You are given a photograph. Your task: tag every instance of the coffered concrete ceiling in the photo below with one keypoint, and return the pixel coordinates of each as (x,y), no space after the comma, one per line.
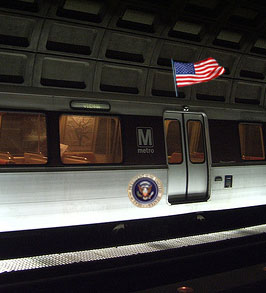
(125,47)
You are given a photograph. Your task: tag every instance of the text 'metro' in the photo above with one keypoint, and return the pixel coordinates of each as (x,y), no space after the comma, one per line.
(145,141)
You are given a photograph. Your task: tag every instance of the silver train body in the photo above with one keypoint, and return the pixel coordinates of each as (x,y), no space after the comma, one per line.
(59,195)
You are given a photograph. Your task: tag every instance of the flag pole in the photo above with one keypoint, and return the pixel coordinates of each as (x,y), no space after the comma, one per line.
(174,75)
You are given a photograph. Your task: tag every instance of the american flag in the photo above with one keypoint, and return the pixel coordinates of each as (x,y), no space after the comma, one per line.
(202,71)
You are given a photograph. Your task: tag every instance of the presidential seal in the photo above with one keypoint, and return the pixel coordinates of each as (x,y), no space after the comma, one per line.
(145,190)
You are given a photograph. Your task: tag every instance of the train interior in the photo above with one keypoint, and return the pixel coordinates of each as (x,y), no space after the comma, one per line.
(83,139)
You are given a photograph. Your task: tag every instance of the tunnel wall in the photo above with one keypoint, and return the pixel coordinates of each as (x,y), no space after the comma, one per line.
(126,47)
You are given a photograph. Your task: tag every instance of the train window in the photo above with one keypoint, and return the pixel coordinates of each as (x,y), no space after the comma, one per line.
(224,141)
(251,141)
(90,139)
(195,142)
(23,139)
(173,141)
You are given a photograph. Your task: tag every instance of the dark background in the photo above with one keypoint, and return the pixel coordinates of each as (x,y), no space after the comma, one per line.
(125,47)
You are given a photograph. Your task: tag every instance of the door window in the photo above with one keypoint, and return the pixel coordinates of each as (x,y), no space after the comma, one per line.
(195,142)
(173,141)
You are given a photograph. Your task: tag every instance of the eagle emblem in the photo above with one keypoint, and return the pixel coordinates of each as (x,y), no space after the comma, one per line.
(145,190)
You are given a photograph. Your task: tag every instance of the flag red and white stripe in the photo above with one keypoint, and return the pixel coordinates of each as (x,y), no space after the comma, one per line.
(202,71)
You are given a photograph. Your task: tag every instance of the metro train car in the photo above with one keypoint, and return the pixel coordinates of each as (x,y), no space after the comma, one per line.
(69,160)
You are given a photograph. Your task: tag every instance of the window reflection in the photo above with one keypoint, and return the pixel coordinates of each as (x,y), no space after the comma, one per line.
(90,139)
(23,138)
(251,141)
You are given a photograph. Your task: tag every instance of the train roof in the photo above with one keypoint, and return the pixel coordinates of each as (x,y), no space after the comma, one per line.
(37,99)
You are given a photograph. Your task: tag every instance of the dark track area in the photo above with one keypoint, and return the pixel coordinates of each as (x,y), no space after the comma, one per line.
(143,272)
(55,240)
(137,272)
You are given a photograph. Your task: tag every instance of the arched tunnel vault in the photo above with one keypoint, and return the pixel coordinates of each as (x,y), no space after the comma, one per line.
(125,47)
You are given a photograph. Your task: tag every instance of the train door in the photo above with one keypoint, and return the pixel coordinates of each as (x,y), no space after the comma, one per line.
(187,156)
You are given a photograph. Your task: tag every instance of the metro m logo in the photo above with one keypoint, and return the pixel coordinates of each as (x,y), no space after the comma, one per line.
(144,137)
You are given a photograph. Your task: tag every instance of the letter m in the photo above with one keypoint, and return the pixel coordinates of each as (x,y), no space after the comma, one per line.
(144,137)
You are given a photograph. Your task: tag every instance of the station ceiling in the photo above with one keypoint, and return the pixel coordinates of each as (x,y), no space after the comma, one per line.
(125,47)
